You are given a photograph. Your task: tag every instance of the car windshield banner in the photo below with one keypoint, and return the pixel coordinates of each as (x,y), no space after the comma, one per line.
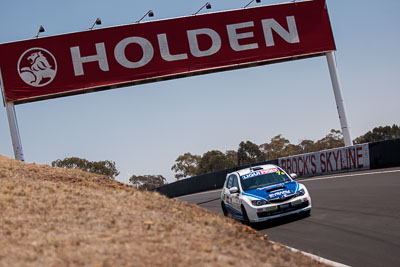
(125,55)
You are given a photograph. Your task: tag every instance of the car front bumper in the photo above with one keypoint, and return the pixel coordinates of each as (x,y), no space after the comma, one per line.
(297,205)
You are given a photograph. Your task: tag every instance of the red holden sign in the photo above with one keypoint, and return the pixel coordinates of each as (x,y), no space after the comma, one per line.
(125,55)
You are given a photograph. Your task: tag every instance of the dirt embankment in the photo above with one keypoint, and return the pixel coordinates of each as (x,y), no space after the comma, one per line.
(60,217)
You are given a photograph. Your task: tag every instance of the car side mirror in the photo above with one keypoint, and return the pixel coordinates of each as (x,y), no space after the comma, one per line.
(293,175)
(233,190)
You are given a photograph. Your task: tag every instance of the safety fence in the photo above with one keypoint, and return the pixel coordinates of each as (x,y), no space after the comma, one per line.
(383,154)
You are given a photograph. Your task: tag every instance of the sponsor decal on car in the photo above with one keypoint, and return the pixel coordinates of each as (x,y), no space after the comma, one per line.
(280,193)
(282,190)
(270,186)
(258,173)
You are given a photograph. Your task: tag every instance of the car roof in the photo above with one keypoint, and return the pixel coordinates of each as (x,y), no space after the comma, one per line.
(254,168)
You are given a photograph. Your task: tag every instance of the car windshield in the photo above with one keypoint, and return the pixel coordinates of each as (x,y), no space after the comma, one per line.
(263,178)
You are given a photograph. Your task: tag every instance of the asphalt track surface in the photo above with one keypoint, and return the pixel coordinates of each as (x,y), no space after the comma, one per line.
(355,218)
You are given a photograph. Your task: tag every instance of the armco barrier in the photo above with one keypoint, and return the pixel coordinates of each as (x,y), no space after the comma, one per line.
(342,159)
(384,154)
(205,182)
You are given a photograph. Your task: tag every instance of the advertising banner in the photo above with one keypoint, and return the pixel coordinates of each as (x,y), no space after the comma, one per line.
(125,55)
(328,161)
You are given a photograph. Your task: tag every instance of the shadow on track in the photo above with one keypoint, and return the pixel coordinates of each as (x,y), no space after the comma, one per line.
(279,221)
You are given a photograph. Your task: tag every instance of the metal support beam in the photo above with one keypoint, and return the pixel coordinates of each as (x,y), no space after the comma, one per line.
(15,137)
(13,124)
(330,57)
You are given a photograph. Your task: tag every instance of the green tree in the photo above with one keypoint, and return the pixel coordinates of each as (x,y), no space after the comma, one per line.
(146,182)
(249,153)
(232,157)
(275,149)
(212,161)
(332,140)
(291,150)
(105,167)
(379,134)
(307,146)
(186,165)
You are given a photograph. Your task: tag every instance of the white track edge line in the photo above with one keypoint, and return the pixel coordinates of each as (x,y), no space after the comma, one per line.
(314,257)
(347,175)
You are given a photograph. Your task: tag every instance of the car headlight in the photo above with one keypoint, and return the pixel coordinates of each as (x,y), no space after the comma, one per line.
(259,202)
(301,192)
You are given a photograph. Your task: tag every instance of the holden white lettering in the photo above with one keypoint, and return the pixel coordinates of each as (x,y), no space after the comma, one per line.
(145,45)
(234,37)
(164,49)
(78,61)
(290,36)
(239,40)
(194,45)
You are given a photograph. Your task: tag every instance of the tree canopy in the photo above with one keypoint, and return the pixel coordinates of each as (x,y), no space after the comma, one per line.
(250,153)
(146,182)
(186,165)
(214,160)
(105,167)
(276,148)
(379,134)
(332,140)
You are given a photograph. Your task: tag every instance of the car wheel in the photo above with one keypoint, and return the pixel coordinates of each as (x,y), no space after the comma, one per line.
(224,210)
(245,217)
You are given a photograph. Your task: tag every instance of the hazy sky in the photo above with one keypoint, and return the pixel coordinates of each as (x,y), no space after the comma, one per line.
(146,127)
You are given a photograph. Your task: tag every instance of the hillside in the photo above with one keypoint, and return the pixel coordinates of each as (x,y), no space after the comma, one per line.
(60,217)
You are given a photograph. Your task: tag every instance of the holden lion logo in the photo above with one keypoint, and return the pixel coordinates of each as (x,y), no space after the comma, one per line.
(37,67)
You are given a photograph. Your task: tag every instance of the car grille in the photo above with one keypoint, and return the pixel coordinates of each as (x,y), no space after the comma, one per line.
(279,210)
(279,200)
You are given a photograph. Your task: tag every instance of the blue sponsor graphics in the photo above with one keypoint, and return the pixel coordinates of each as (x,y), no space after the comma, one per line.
(250,175)
(252,195)
(257,173)
(282,190)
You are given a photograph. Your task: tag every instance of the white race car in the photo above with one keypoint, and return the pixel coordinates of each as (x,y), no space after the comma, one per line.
(263,192)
